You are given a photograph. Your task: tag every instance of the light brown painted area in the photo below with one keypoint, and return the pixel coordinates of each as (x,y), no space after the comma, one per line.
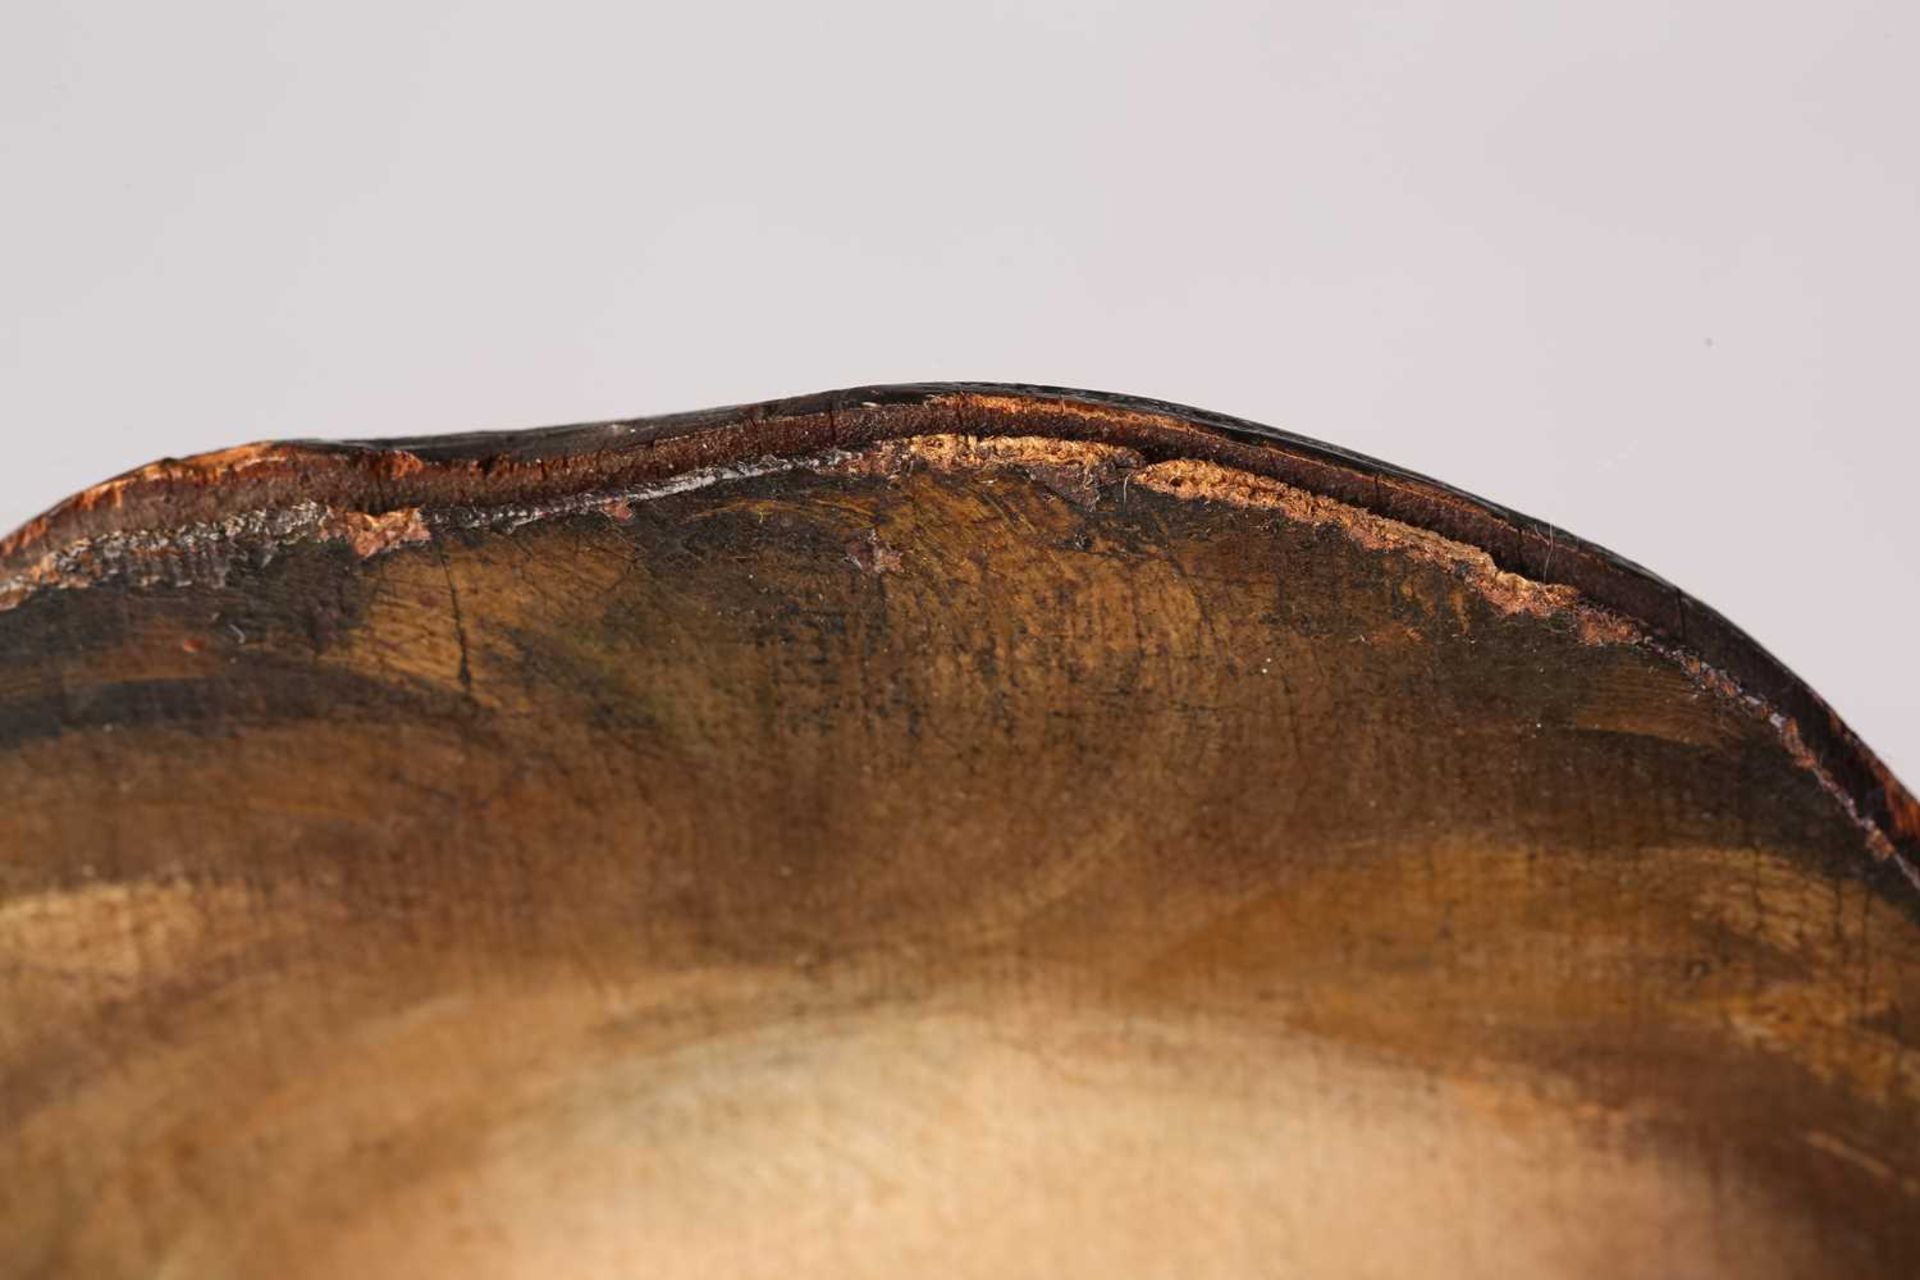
(949,856)
(994,1142)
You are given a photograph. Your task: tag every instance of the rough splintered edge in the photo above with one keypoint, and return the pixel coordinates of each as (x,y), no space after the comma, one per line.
(1506,591)
(1509,592)
(204,552)
(1795,745)
(204,469)
(1077,471)
(1099,467)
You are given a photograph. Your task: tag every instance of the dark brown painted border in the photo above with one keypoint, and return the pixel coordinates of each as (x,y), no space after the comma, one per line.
(476,473)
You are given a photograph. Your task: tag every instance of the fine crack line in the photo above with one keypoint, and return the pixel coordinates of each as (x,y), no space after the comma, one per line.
(459,618)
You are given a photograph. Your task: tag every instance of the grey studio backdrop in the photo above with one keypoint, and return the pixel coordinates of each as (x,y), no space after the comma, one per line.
(1648,271)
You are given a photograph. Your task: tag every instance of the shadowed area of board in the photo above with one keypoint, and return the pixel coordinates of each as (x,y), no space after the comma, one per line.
(966,831)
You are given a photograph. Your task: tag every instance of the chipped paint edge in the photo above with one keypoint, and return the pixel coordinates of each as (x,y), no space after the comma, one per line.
(205,551)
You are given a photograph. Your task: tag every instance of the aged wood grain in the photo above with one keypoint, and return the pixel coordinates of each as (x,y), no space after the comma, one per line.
(961,830)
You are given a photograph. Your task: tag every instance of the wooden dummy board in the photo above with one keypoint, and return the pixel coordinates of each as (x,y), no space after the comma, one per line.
(949,830)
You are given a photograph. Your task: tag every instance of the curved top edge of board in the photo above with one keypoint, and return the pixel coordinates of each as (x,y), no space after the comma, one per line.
(377,494)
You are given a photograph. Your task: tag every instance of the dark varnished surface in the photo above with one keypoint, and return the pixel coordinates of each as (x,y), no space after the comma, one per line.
(498,860)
